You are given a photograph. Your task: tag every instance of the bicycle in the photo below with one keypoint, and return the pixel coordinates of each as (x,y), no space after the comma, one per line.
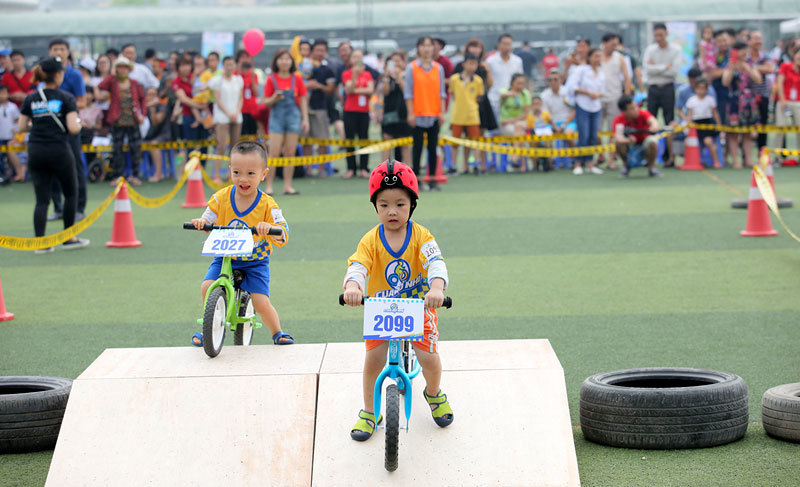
(226,305)
(402,366)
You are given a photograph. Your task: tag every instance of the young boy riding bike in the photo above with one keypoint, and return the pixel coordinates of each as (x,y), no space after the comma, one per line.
(402,260)
(243,204)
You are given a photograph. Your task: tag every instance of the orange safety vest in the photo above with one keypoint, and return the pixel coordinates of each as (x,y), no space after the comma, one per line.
(427,90)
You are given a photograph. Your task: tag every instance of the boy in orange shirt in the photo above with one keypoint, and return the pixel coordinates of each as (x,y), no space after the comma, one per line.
(402,260)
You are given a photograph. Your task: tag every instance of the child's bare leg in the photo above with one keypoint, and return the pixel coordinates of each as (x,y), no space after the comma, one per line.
(712,149)
(263,306)
(204,289)
(431,369)
(374,361)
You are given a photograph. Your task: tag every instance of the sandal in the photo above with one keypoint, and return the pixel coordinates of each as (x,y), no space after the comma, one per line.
(282,338)
(365,426)
(197,339)
(442,414)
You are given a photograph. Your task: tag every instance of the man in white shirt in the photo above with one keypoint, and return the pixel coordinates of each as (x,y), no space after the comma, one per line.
(554,99)
(662,61)
(503,65)
(140,73)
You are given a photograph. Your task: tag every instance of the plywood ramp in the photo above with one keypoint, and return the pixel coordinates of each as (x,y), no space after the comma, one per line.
(511,428)
(174,417)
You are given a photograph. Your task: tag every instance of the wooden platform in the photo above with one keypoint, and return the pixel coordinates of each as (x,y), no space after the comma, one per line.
(267,415)
(173,416)
(530,443)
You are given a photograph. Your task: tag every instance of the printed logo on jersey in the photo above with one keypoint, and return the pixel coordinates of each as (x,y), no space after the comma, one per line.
(238,223)
(397,273)
(40,107)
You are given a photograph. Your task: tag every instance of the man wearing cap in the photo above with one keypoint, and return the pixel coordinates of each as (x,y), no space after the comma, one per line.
(74,85)
(18,80)
(125,113)
(140,73)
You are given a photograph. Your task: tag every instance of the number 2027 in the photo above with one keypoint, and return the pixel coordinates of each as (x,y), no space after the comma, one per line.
(394,323)
(228,244)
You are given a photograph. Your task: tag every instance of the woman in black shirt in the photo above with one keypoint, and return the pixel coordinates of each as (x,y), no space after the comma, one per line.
(53,116)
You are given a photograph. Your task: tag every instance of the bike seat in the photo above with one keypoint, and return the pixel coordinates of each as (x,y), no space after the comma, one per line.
(238,277)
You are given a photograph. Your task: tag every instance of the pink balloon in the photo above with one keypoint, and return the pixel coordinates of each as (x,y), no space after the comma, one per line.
(253,41)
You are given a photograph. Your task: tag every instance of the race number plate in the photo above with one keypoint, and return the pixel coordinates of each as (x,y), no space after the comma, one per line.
(229,243)
(394,319)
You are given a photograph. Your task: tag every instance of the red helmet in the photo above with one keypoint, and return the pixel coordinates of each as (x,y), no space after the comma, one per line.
(393,174)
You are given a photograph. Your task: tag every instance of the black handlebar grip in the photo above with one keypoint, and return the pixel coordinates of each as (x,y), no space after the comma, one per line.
(448,301)
(274,231)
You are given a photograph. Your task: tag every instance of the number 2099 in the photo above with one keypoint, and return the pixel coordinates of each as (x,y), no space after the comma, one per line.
(394,323)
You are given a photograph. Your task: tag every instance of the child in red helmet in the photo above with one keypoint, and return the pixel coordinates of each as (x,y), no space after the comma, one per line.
(403,261)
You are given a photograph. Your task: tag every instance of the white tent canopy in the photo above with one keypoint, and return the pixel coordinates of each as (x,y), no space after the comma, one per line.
(790,26)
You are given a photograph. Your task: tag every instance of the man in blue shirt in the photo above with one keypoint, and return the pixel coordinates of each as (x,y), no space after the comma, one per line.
(73,84)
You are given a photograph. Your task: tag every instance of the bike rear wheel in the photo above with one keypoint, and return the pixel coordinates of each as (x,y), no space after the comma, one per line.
(392,427)
(214,321)
(244,331)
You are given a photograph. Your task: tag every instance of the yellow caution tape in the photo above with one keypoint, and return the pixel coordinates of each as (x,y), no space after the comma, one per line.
(211,183)
(769,196)
(146,202)
(746,129)
(531,152)
(25,243)
(783,152)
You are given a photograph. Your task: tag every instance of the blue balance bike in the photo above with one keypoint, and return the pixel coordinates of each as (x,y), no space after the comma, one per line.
(402,367)
(227,305)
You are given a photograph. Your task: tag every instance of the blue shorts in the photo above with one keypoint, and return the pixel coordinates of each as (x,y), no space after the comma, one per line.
(256,274)
(284,120)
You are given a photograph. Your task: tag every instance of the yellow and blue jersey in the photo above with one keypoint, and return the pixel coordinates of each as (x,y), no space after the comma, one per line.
(264,209)
(401,274)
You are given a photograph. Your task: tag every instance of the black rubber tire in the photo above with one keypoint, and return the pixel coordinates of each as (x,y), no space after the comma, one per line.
(664,408)
(238,335)
(741,203)
(31,411)
(780,412)
(208,323)
(392,427)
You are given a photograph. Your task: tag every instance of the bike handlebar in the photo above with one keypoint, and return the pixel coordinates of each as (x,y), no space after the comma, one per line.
(274,231)
(448,301)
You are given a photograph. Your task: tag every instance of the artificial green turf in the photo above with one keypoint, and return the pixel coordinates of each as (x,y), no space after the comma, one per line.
(615,273)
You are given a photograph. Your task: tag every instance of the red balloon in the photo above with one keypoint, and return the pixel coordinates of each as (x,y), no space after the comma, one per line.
(253,41)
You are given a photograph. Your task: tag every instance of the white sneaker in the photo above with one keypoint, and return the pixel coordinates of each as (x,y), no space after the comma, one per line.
(578,170)
(596,170)
(78,244)
(47,250)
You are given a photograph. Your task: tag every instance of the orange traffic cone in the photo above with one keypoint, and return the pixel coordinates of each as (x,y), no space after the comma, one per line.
(691,155)
(440,177)
(122,233)
(195,194)
(4,315)
(759,223)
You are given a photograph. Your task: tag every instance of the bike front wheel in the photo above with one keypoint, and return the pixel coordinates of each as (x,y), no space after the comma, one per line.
(392,426)
(214,321)
(244,331)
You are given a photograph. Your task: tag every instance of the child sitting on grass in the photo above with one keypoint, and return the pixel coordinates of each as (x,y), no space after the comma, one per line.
(403,261)
(243,204)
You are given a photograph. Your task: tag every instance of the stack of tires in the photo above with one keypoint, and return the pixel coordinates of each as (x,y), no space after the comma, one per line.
(664,408)
(31,410)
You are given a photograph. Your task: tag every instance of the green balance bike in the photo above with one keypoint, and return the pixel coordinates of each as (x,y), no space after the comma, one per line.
(227,306)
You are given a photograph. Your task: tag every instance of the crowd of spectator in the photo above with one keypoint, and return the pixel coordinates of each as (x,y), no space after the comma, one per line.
(308,91)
